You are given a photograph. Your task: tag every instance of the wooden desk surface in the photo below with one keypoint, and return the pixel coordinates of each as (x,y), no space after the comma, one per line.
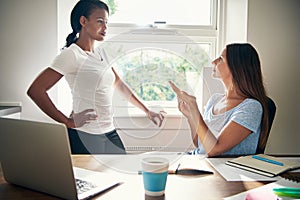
(178,187)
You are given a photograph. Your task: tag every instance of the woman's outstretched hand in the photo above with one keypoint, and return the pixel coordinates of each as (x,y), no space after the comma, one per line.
(81,118)
(156,118)
(185,101)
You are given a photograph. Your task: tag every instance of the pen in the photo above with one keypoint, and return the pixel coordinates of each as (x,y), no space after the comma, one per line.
(176,171)
(287,192)
(186,172)
(267,160)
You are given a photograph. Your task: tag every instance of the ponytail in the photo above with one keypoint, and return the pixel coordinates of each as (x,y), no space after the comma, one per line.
(72,38)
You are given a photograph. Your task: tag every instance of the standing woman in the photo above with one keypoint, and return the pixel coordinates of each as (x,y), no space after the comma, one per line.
(92,82)
(232,122)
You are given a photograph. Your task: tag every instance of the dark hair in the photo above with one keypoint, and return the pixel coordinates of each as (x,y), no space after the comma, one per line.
(244,64)
(82,8)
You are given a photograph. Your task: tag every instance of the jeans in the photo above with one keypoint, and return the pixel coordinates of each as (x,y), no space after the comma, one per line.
(86,143)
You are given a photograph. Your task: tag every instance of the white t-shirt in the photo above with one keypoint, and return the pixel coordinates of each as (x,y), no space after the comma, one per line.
(91,82)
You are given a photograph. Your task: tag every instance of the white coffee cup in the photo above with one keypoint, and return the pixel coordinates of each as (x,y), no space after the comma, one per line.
(155,173)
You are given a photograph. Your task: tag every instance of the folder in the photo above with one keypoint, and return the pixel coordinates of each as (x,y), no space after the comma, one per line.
(264,164)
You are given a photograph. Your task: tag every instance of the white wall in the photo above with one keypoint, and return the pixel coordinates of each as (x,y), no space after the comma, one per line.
(235,25)
(274,29)
(28,44)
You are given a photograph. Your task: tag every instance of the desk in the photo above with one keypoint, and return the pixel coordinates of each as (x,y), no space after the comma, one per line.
(9,110)
(178,187)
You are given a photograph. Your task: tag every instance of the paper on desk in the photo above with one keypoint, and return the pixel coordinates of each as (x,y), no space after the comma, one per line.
(265,190)
(230,173)
(190,162)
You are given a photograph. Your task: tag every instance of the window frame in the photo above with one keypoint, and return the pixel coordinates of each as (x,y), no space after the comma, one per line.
(189,30)
(198,34)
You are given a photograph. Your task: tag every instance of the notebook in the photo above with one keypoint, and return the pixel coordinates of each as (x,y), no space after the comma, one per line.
(36,155)
(264,164)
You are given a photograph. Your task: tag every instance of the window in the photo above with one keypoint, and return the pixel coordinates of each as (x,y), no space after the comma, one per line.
(191,12)
(148,70)
(162,44)
(148,66)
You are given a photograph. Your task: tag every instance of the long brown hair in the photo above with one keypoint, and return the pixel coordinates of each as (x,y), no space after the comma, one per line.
(244,64)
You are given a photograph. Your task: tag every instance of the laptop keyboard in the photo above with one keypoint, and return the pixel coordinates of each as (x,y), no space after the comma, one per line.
(83,186)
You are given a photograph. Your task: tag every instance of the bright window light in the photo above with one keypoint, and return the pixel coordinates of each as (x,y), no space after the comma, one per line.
(171,12)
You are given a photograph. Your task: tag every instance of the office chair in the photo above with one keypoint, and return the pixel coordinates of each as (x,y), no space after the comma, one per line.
(271,110)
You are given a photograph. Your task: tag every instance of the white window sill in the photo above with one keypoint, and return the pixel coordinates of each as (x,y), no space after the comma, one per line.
(124,112)
(134,118)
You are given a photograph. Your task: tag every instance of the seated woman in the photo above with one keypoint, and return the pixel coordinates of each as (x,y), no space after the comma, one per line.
(232,122)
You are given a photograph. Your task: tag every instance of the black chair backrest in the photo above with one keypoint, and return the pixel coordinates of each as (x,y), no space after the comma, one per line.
(271,115)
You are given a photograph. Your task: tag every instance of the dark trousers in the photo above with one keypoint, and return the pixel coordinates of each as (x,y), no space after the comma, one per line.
(86,143)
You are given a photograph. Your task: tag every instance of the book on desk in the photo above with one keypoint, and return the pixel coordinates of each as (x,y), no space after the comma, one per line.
(264,164)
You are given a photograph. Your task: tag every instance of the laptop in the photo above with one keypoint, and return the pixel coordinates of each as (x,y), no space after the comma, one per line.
(36,155)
